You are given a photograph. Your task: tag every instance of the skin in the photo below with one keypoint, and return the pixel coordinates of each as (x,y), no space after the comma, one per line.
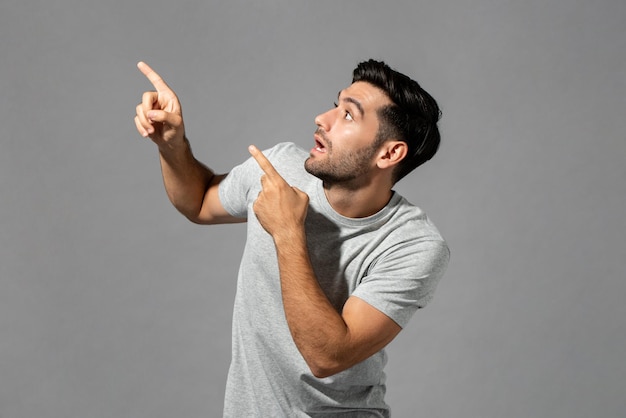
(190,185)
(348,132)
(329,341)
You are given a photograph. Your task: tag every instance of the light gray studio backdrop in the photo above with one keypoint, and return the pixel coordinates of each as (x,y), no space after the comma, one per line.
(113,305)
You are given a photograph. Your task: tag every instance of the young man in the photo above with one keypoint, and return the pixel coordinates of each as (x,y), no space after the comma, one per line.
(335,263)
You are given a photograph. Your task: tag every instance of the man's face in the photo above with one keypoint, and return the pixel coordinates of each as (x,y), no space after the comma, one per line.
(345,139)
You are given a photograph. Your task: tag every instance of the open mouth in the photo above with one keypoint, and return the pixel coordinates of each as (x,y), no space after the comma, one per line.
(319,144)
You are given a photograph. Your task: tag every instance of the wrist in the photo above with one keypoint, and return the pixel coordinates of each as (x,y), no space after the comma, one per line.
(175,149)
(290,238)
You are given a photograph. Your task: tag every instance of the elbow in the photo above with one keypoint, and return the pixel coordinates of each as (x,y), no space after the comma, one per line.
(192,214)
(193,218)
(329,359)
(190,210)
(321,372)
(322,368)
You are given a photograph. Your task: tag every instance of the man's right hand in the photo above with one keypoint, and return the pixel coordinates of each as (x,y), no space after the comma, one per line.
(159,115)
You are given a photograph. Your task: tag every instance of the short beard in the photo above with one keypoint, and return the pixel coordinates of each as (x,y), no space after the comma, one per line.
(350,172)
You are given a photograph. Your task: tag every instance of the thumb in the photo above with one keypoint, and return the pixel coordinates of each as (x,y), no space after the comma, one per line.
(168,118)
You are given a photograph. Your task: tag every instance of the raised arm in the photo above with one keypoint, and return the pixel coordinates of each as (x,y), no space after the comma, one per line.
(190,185)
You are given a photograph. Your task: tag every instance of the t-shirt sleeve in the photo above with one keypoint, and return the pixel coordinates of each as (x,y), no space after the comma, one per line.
(238,186)
(404,279)
(242,185)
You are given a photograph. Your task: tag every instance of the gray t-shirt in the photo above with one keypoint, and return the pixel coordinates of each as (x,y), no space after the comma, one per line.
(391,260)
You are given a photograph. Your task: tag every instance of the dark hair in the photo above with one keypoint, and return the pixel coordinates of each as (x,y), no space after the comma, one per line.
(412,118)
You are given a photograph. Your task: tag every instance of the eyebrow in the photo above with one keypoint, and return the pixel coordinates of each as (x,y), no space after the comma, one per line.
(353,101)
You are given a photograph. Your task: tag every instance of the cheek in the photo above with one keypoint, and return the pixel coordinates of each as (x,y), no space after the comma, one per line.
(347,134)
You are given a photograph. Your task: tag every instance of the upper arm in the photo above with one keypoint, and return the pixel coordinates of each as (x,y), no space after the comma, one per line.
(212,211)
(369,329)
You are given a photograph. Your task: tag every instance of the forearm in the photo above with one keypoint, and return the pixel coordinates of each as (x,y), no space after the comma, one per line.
(318,330)
(329,341)
(186,180)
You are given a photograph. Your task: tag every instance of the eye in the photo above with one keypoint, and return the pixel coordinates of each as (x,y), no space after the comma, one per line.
(346,114)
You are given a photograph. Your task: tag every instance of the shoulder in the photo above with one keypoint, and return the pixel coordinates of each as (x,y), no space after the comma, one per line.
(411,230)
(288,159)
(241,185)
(280,155)
(411,219)
(286,149)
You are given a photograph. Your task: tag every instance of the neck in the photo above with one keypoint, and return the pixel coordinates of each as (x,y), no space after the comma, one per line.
(357,203)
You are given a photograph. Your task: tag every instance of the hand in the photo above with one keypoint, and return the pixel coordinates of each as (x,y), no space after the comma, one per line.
(279,207)
(159,116)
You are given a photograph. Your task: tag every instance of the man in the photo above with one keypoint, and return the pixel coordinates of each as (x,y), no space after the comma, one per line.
(335,262)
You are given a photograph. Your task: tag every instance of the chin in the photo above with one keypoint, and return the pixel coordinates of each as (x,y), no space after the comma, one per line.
(307,166)
(311,167)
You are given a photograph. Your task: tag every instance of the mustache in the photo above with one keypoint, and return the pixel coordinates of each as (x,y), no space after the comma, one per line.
(320,132)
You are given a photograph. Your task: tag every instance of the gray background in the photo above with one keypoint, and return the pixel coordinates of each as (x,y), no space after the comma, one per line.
(113,305)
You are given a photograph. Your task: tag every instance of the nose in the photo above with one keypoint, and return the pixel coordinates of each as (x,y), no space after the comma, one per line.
(323,120)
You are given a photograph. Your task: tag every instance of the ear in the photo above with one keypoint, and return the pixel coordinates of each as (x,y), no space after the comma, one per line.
(391,153)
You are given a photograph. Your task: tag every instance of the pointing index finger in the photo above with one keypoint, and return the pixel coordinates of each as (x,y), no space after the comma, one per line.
(263,162)
(154,78)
